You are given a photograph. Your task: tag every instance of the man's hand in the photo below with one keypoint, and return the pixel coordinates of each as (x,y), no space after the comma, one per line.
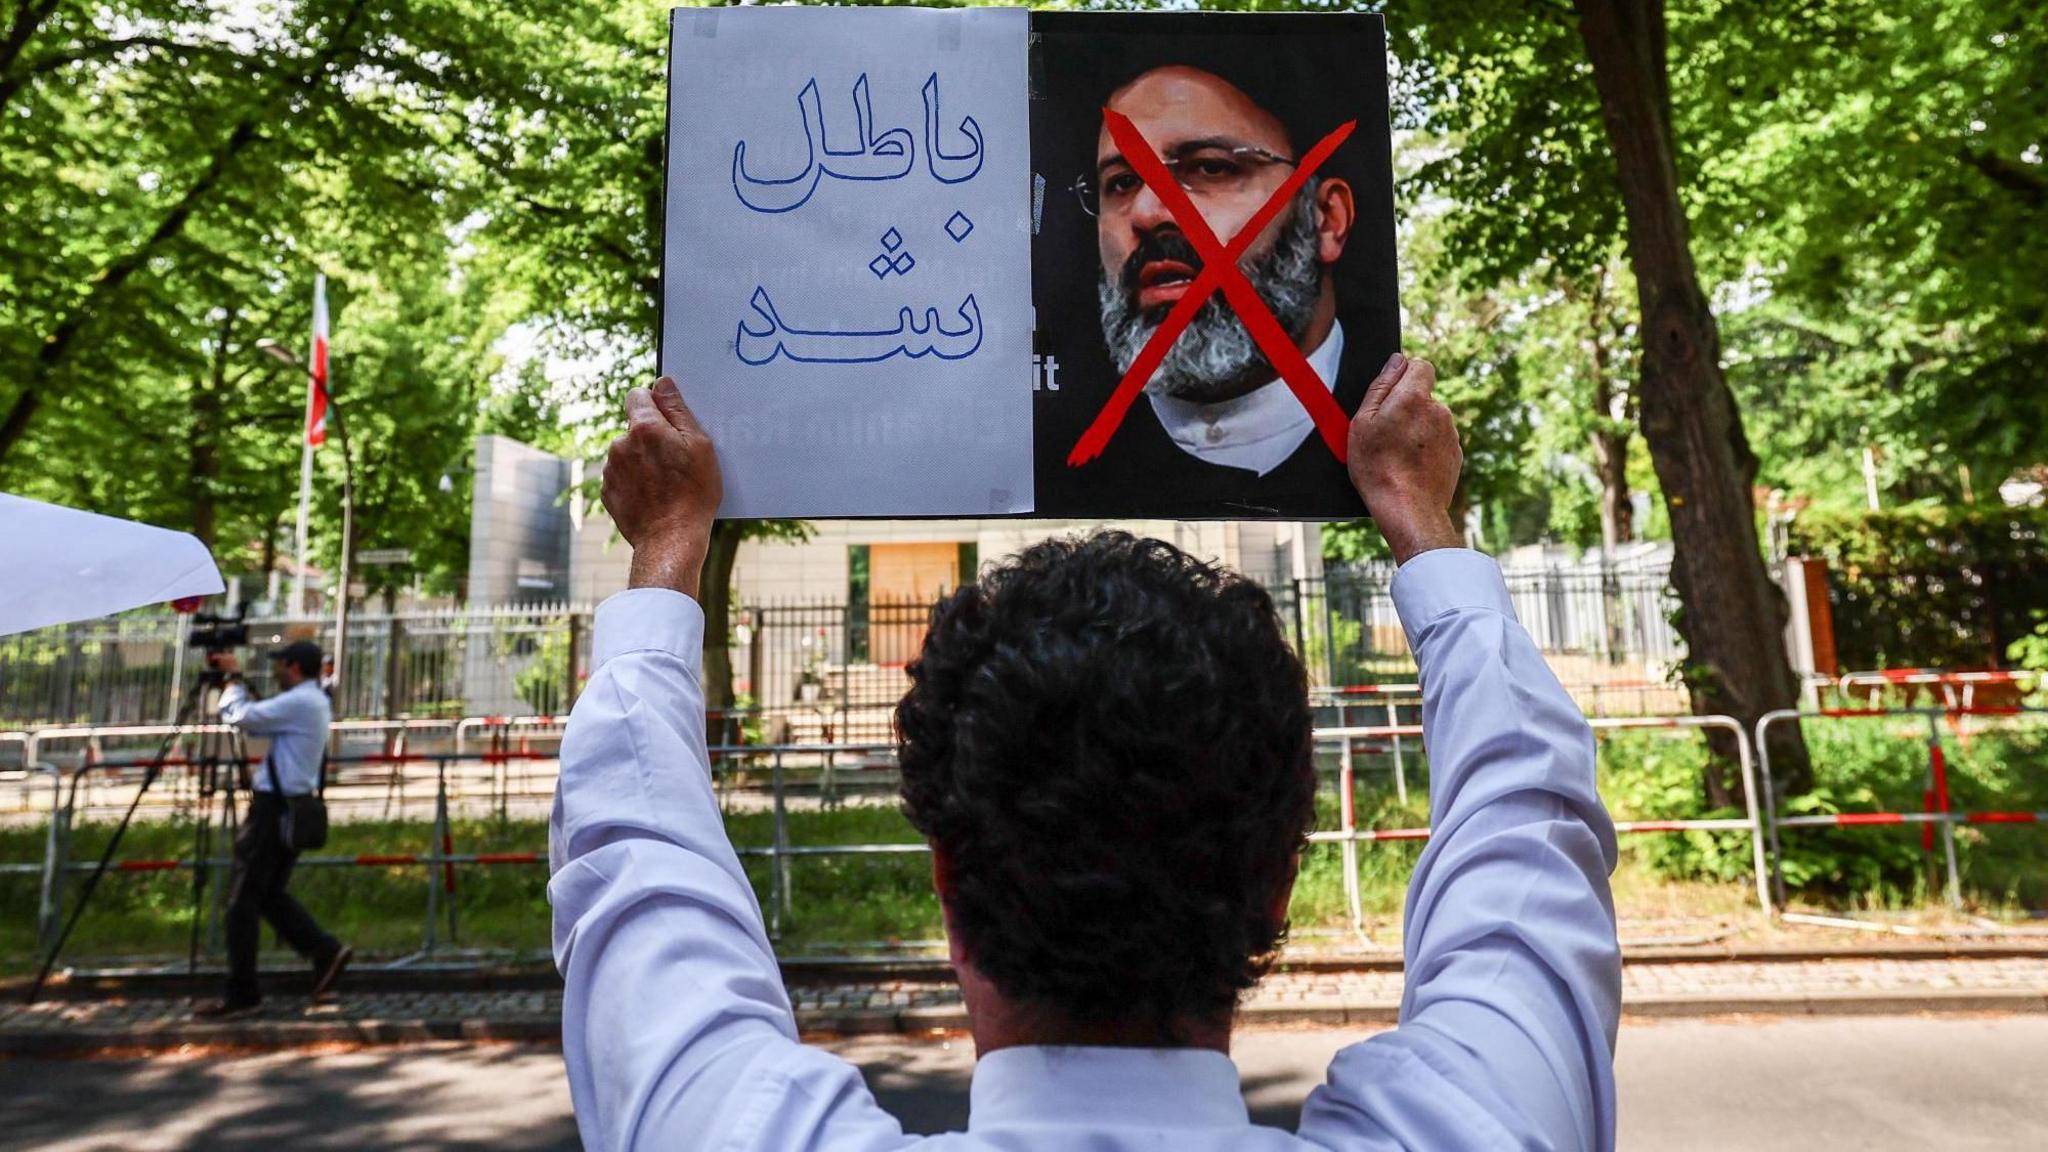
(223,662)
(1405,459)
(662,488)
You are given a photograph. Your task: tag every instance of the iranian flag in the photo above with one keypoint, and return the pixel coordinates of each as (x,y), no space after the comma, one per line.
(316,388)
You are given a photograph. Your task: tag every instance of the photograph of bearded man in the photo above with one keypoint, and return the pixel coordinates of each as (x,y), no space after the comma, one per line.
(1217,433)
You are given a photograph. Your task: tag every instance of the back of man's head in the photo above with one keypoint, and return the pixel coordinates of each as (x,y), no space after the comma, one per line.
(1108,742)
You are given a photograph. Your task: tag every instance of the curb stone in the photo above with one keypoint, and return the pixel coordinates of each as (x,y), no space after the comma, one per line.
(82,1022)
(285,1034)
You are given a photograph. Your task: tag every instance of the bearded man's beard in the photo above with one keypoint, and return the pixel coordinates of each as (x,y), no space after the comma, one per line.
(1216,357)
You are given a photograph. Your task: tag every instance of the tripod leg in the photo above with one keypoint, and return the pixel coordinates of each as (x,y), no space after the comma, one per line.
(230,826)
(202,860)
(92,881)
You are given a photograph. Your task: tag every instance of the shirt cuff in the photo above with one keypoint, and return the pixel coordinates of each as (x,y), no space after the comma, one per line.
(648,620)
(1445,580)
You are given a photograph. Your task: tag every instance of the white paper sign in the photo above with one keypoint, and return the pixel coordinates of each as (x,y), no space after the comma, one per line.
(849,218)
(66,565)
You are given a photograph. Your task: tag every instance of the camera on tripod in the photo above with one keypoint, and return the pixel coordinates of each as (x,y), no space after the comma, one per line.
(217,633)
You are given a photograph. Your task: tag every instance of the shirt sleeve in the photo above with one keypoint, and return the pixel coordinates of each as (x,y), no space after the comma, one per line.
(1513,991)
(265,717)
(676,1029)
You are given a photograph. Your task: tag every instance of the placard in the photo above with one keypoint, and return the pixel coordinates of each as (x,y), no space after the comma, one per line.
(983,262)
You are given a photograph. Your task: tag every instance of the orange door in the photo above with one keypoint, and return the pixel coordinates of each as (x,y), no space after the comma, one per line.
(903,580)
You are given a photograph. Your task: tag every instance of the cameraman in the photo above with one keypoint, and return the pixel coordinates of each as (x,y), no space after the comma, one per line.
(296,721)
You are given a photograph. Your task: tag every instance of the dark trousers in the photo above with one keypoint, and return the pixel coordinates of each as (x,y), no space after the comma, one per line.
(256,892)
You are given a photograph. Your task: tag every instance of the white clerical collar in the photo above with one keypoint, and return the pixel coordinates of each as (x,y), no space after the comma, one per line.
(1258,430)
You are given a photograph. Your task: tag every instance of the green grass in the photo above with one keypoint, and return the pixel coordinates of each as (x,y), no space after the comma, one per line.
(836,901)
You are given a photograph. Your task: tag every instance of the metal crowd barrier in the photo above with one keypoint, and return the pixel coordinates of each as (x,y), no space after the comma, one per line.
(829,767)
(499,742)
(1958,689)
(1936,812)
(1594,697)
(1348,834)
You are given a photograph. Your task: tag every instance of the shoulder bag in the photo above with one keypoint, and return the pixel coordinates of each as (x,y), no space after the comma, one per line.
(303,824)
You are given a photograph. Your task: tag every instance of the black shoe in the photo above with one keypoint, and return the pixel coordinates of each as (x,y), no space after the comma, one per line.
(330,970)
(230,1008)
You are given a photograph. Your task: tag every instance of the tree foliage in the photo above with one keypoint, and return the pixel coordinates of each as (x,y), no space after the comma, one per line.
(188,165)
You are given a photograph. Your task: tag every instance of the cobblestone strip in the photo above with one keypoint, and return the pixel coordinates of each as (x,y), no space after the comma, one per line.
(1863,986)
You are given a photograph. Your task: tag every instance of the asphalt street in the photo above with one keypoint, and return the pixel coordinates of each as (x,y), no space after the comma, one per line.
(1874,1084)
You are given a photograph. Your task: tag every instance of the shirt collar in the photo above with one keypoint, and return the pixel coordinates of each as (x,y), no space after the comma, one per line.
(1101,1087)
(1258,430)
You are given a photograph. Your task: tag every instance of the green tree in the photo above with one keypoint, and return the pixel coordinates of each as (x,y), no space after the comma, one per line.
(1579,360)
(186,165)
(1565,135)
(1872,180)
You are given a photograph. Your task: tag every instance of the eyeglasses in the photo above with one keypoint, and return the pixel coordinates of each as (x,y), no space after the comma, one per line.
(1211,170)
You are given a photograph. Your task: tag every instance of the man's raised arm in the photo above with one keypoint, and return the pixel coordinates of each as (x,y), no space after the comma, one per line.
(242,708)
(1513,968)
(676,1030)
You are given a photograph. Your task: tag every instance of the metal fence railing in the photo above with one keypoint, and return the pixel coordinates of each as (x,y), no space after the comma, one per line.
(806,670)
(499,764)
(135,668)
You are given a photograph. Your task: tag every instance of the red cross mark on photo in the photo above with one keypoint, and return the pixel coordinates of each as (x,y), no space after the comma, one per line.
(1219,273)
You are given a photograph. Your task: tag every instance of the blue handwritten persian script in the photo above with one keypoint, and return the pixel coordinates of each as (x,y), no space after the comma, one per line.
(889,156)
(907,338)
(847,263)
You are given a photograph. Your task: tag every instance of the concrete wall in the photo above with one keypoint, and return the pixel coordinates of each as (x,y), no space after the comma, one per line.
(519,525)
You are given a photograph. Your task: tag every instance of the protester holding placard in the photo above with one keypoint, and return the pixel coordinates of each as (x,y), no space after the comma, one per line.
(1107,744)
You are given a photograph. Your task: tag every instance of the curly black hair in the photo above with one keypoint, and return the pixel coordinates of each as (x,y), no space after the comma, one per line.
(1109,741)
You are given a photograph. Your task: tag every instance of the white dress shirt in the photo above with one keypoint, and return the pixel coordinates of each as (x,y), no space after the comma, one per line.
(295,720)
(1260,429)
(677,1032)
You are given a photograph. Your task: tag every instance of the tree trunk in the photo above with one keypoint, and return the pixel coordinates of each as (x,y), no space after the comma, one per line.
(716,594)
(270,548)
(202,438)
(1732,617)
(1610,461)
(1612,417)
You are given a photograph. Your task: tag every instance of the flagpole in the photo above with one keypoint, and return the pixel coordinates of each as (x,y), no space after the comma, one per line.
(299,550)
(305,473)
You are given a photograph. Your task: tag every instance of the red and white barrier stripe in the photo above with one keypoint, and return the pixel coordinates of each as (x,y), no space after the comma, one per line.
(1959,689)
(1372,690)
(1898,677)
(1864,819)
(1361,835)
(364,860)
(1958,710)
(1729,824)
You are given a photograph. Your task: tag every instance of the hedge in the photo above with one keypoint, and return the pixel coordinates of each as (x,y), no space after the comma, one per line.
(1944,587)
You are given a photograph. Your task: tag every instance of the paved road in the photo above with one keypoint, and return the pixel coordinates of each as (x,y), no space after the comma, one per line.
(1875,1084)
